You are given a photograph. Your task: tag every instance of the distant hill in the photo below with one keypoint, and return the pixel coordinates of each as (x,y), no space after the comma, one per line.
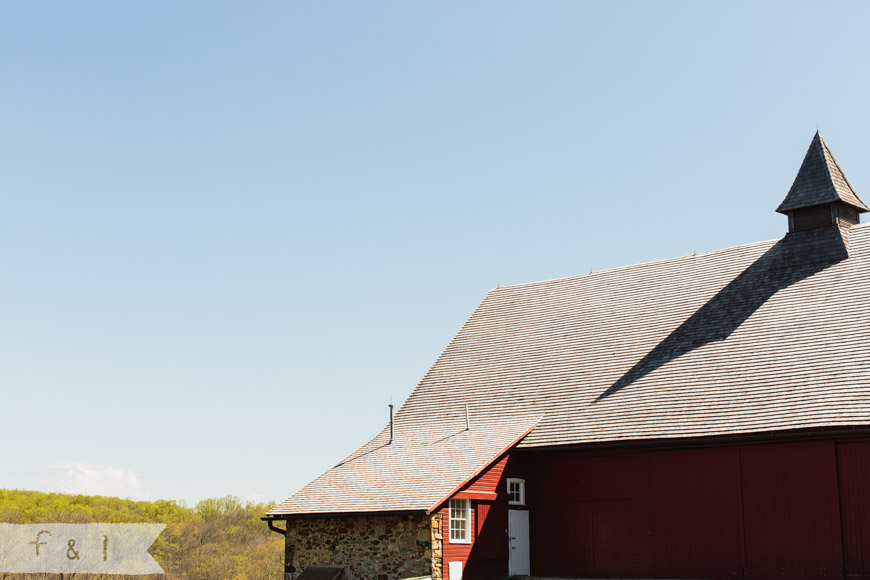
(218,539)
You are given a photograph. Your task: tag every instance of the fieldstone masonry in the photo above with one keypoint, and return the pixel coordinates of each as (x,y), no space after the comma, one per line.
(437,548)
(368,547)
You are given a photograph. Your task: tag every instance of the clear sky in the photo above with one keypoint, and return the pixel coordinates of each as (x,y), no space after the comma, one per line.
(232,233)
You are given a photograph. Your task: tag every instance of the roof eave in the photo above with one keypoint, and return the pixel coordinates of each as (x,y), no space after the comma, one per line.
(315,515)
(785,209)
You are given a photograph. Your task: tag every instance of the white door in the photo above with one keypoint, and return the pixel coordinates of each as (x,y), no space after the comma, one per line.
(518,532)
(454,570)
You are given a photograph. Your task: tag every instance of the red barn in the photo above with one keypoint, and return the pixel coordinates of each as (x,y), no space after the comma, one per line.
(700,417)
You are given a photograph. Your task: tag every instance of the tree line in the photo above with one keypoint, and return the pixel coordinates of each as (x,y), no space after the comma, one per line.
(218,539)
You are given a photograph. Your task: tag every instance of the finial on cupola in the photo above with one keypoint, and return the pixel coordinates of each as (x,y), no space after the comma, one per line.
(820,195)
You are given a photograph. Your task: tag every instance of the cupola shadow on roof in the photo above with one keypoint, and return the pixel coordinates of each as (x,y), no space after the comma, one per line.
(821,207)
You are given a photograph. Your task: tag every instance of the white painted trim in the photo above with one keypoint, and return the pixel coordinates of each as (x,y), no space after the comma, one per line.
(467,520)
(522,483)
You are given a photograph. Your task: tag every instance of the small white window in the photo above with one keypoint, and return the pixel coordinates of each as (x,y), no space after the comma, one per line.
(460,521)
(516,489)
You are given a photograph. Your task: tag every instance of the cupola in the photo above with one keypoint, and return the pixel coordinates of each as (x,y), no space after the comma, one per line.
(820,195)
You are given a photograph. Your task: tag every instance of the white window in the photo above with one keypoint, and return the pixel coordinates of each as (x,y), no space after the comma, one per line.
(516,489)
(460,521)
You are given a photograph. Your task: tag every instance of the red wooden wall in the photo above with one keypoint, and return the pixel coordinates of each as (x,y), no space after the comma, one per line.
(487,555)
(779,510)
(791,511)
(756,512)
(695,499)
(596,505)
(853,462)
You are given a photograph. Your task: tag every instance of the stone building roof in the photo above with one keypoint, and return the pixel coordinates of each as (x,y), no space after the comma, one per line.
(424,464)
(763,337)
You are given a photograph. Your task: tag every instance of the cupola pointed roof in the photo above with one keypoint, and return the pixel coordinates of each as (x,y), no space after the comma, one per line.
(819,181)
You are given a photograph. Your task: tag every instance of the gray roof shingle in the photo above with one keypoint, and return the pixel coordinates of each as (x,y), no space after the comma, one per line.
(819,181)
(767,336)
(425,463)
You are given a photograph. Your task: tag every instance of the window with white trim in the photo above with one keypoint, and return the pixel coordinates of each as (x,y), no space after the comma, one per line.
(516,489)
(460,521)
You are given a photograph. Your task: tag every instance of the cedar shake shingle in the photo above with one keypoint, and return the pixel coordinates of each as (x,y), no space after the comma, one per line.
(424,464)
(819,181)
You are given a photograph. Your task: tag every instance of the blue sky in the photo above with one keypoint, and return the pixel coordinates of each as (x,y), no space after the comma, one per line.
(233,232)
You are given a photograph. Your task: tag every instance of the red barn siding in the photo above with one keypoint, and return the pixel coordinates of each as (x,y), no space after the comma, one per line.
(791,511)
(488,481)
(853,466)
(766,511)
(453,552)
(487,555)
(491,539)
(590,515)
(697,513)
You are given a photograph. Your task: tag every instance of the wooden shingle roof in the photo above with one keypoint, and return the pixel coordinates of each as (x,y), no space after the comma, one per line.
(763,337)
(424,464)
(819,181)
(768,336)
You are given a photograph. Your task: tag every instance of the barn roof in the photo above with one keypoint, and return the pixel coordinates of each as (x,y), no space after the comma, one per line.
(762,337)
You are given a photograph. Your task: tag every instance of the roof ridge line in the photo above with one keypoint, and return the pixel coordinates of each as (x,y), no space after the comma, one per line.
(837,165)
(649,263)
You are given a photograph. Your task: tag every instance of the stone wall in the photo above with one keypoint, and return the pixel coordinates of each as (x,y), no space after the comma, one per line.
(437,548)
(368,547)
